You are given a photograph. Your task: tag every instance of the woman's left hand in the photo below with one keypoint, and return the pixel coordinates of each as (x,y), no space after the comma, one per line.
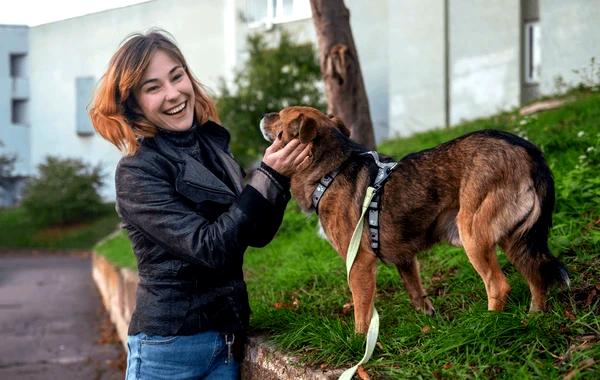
(288,159)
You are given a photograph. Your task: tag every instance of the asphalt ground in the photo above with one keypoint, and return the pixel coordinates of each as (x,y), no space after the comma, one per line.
(52,322)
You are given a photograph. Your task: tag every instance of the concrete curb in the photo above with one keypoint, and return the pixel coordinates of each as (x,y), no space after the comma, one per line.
(262,361)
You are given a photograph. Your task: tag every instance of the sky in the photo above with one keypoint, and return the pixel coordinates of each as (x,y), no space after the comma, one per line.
(36,12)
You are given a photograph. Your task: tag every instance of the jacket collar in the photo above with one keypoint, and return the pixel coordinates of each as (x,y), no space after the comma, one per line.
(197,175)
(217,135)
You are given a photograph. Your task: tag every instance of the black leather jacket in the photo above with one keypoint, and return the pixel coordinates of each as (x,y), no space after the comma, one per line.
(189,232)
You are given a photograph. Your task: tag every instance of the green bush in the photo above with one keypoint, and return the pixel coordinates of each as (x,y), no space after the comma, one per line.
(7,164)
(271,79)
(66,191)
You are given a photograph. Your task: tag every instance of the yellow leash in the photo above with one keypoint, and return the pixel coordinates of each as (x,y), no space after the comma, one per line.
(373,331)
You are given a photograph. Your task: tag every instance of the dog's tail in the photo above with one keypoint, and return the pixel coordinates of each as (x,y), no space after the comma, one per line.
(527,247)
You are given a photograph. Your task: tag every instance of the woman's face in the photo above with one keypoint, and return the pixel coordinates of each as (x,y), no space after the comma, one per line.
(165,95)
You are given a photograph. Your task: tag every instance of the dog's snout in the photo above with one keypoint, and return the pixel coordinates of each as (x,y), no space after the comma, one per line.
(263,128)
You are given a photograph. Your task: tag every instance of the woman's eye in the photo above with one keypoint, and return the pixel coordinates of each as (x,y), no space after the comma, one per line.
(177,77)
(151,88)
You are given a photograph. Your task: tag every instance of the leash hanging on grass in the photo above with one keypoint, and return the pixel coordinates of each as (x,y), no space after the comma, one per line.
(373,331)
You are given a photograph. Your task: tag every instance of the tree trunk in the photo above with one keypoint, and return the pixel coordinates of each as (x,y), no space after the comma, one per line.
(344,86)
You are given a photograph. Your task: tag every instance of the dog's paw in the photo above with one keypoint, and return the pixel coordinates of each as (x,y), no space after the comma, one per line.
(426,307)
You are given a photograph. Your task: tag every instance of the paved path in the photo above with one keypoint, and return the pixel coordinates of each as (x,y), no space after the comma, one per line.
(52,320)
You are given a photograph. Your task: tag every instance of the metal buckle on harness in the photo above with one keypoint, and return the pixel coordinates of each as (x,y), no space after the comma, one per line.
(384,169)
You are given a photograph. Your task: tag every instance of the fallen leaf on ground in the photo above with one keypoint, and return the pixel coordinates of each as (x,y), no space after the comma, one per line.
(582,365)
(362,373)
(347,307)
(569,314)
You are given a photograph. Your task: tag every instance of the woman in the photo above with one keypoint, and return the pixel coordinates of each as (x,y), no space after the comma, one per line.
(189,218)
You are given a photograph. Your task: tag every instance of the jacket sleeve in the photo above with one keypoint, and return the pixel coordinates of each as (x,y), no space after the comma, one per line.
(274,191)
(147,200)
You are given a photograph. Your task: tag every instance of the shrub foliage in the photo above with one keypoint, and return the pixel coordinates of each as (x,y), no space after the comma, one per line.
(271,79)
(65,191)
(7,164)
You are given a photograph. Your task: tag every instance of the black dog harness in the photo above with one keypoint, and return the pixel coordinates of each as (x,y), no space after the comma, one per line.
(384,169)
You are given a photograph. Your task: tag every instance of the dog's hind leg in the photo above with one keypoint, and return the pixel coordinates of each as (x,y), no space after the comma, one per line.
(409,271)
(362,282)
(530,254)
(527,246)
(481,251)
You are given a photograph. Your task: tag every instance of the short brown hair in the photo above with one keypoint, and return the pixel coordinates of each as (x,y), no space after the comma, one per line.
(113,110)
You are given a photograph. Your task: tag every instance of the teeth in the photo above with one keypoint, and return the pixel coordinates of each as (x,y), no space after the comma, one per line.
(177,109)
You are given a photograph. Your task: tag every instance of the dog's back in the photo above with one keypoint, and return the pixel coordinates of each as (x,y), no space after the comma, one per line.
(484,189)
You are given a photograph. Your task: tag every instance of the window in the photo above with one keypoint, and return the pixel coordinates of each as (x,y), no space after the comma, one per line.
(19,112)
(260,12)
(17,66)
(532,52)
(84,87)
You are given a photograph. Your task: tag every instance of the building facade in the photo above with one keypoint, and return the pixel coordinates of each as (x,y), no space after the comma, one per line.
(15,119)
(426,63)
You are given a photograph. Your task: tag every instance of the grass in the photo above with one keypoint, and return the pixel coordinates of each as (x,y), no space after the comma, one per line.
(117,249)
(19,231)
(299,294)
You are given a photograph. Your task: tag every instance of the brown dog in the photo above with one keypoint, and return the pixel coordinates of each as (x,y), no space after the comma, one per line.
(478,191)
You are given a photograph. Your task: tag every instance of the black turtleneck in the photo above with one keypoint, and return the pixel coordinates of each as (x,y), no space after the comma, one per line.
(191,142)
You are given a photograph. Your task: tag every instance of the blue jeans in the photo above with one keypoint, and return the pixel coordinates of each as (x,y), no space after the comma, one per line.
(200,356)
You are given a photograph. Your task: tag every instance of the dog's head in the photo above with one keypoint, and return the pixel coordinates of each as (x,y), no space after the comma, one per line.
(305,123)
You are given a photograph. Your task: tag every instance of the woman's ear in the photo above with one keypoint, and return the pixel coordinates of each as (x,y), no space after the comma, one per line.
(340,125)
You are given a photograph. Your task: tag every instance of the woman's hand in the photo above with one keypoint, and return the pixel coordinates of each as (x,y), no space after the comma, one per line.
(289,158)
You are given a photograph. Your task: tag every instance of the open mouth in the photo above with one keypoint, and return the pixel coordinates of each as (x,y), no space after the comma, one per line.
(177,109)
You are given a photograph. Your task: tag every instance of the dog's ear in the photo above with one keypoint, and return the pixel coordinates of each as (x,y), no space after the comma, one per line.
(305,128)
(340,125)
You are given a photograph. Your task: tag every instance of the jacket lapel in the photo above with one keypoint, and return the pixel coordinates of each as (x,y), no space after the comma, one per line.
(194,180)
(233,169)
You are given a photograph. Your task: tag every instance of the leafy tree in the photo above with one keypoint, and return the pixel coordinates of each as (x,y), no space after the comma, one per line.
(65,191)
(272,78)
(7,164)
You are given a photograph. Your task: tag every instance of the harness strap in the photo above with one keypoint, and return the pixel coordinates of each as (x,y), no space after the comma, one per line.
(384,169)
(321,187)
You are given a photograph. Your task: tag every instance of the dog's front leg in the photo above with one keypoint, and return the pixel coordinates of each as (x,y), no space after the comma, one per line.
(363,281)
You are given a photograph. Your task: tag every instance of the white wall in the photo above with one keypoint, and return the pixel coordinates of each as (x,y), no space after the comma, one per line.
(14,137)
(415,66)
(369,23)
(82,46)
(570,32)
(484,57)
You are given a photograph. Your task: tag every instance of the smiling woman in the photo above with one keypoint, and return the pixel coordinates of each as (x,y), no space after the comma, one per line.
(147,78)
(166,95)
(182,201)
